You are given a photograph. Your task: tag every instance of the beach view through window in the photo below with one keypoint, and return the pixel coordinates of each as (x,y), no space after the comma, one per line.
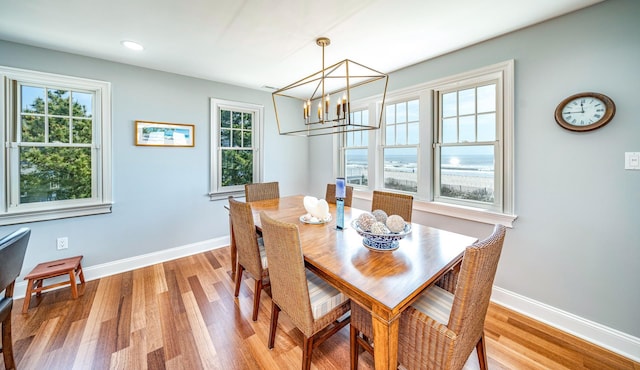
(465,173)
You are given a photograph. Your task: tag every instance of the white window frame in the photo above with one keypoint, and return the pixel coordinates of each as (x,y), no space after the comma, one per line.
(343,148)
(382,140)
(222,192)
(101,201)
(491,78)
(424,198)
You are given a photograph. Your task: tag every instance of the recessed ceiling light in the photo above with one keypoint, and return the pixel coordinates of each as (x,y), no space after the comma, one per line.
(132,45)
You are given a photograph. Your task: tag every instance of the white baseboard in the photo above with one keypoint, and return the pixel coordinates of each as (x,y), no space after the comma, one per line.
(132,263)
(611,339)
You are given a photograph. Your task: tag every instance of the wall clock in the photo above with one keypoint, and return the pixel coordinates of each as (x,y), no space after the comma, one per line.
(585,111)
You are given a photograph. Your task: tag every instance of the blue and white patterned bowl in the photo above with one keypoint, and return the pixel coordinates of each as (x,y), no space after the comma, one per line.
(381,242)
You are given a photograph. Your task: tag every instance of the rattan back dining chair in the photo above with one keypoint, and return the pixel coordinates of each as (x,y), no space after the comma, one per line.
(330,195)
(393,204)
(251,254)
(316,308)
(440,329)
(12,250)
(261,191)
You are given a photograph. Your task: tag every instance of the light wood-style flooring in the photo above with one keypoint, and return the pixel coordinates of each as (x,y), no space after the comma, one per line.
(182,314)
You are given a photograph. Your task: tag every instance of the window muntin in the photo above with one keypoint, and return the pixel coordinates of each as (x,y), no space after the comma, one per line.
(400,149)
(235,141)
(58,133)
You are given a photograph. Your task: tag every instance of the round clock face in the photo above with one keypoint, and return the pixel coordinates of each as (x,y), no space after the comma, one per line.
(584,112)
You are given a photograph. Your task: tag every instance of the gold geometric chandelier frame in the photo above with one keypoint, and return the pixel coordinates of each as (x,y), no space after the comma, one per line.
(325,98)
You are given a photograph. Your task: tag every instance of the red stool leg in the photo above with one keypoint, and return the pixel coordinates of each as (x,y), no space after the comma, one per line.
(72,281)
(80,274)
(27,297)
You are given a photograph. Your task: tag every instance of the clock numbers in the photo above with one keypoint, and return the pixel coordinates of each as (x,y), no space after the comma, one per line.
(582,112)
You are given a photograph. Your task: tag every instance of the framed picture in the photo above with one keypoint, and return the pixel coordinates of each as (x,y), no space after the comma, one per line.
(164,134)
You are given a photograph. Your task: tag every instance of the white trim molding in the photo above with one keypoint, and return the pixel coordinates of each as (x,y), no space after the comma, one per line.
(601,335)
(136,262)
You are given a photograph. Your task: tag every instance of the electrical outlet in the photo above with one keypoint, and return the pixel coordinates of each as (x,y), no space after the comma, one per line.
(63,243)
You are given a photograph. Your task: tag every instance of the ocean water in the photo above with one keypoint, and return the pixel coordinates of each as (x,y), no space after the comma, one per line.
(479,166)
(481,162)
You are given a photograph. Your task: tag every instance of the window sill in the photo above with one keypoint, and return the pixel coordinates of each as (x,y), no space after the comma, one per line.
(54,214)
(449,210)
(465,213)
(225,195)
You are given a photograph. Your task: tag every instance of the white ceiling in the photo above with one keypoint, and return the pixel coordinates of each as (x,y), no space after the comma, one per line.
(257,43)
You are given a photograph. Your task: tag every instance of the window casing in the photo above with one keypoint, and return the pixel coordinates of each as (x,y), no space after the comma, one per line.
(57,135)
(467,150)
(236,140)
(421,132)
(400,146)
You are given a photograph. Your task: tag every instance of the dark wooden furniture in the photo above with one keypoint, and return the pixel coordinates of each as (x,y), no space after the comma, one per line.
(67,266)
(383,283)
(12,250)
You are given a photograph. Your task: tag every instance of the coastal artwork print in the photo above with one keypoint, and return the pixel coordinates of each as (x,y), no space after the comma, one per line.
(164,134)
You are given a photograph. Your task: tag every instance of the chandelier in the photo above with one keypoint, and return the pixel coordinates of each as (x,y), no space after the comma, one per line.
(324,99)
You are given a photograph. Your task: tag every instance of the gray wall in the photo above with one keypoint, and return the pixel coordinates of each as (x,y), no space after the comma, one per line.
(576,243)
(160,194)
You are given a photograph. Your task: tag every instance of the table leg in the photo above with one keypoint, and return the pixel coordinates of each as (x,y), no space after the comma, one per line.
(385,340)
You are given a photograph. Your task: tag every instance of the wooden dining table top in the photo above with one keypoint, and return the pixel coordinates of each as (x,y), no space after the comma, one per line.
(385,280)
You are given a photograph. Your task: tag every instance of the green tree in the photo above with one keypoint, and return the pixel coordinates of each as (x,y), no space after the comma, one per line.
(237,167)
(236,138)
(60,171)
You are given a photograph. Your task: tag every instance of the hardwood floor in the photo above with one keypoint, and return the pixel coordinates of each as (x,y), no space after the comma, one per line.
(182,314)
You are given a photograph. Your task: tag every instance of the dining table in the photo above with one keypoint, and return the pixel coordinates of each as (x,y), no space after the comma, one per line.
(383,282)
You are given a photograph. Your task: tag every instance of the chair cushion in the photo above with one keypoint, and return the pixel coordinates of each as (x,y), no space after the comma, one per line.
(436,303)
(5,307)
(263,253)
(322,295)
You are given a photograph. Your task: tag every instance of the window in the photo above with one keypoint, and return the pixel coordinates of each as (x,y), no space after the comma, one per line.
(473,143)
(235,143)
(400,148)
(467,147)
(448,142)
(57,132)
(355,152)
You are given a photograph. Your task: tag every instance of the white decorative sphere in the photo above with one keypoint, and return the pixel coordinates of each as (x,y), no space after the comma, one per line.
(395,223)
(365,221)
(379,228)
(380,215)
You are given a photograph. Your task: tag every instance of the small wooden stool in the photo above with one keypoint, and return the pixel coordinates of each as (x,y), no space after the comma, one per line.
(46,270)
